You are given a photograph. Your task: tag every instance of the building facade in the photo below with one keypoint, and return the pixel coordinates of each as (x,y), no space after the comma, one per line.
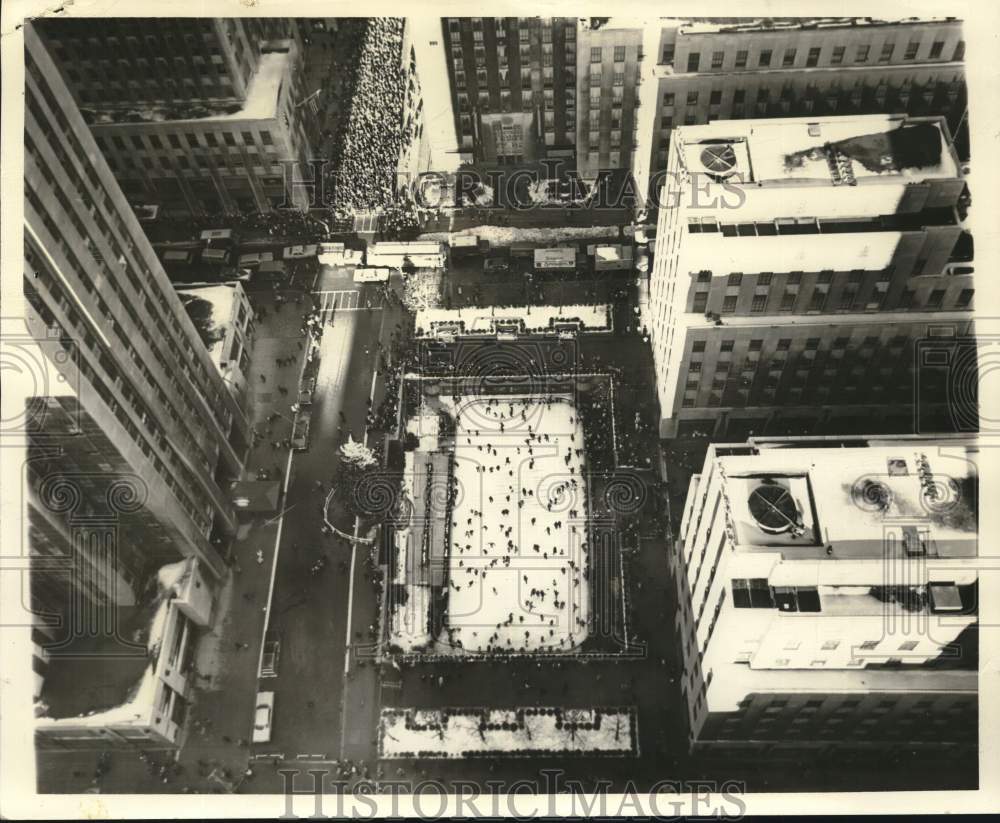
(609,60)
(195,116)
(514,90)
(827,595)
(95,293)
(137,697)
(746,315)
(698,72)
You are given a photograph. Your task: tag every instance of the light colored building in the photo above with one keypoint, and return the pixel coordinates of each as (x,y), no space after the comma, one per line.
(213,129)
(224,318)
(797,263)
(827,594)
(130,701)
(696,72)
(99,300)
(608,69)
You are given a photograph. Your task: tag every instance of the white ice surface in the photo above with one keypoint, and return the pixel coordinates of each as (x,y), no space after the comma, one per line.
(493,605)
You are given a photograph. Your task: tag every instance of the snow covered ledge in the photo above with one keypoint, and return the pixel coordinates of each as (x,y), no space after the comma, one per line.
(520,732)
(513,320)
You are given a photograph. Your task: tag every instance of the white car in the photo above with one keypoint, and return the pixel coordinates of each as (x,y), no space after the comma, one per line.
(262,717)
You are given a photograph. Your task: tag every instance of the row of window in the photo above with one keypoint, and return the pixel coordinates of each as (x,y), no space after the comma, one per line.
(87,371)
(182,350)
(790,57)
(849,300)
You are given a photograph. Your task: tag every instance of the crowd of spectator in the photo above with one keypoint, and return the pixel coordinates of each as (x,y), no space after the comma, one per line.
(366,161)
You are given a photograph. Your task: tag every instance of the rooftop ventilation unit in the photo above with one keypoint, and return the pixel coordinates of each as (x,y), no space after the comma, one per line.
(774,509)
(718,159)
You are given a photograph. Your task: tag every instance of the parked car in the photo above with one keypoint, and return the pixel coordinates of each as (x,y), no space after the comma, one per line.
(496,265)
(262,717)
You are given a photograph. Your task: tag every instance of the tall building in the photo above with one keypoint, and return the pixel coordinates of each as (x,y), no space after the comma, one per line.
(193,115)
(609,60)
(696,72)
(513,84)
(142,397)
(750,319)
(827,595)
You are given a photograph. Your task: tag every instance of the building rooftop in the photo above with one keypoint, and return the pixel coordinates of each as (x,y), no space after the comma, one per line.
(828,151)
(103,681)
(261,102)
(792,499)
(767,24)
(211,310)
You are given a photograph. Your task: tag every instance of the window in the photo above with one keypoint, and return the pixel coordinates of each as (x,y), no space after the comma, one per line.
(717,58)
(935,299)
(862,53)
(595,54)
(729,304)
(838,55)
(959,53)
(825,277)
(869,645)
(759,303)
(739,95)
(908,646)
(175,141)
(752,593)
(830,645)
(727,345)
(911,50)
(788,301)
(813,58)
(694,59)
(700,301)
(698,346)
(735,279)
(715,98)
(619,54)
(789,58)
(692,98)
(856,276)
(797,598)
(247,138)
(886,54)
(936,48)
(668,99)
(965,297)
(765,58)
(762,95)
(794,278)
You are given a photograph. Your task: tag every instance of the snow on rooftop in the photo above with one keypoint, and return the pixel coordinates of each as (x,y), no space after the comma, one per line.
(534,318)
(858,493)
(482,732)
(212,324)
(797,149)
(262,97)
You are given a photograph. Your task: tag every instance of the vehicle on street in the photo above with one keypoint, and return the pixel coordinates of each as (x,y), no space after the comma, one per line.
(263,716)
(272,652)
(299,252)
(306,389)
(300,431)
(496,265)
(256,258)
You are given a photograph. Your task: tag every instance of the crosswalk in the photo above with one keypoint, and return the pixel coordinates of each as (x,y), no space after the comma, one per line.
(339,300)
